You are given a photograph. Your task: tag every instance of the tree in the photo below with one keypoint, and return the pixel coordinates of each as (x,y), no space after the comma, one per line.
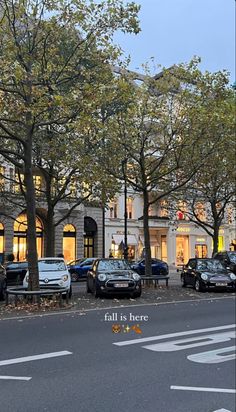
(160,137)
(212,190)
(50,54)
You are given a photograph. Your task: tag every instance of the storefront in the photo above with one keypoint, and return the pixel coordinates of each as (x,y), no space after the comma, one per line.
(201,250)
(69,242)
(182,249)
(117,246)
(20,239)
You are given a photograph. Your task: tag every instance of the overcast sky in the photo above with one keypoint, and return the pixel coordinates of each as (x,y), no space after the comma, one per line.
(173,31)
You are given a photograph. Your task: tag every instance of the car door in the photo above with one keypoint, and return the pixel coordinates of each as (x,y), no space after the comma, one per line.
(191,272)
(141,268)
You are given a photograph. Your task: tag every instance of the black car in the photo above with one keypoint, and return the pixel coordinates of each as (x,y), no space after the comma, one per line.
(205,274)
(228,259)
(3,282)
(113,276)
(16,272)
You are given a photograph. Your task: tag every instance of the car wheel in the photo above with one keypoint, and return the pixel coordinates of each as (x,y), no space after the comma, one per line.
(136,294)
(97,294)
(88,288)
(74,277)
(198,286)
(183,282)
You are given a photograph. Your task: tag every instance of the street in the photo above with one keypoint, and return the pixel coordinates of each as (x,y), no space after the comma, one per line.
(169,357)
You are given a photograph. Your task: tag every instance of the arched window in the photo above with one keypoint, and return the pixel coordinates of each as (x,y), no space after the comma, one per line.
(20,233)
(69,242)
(90,230)
(1,242)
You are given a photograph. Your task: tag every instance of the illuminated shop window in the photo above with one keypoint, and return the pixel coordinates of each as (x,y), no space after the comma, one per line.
(20,241)
(69,242)
(1,238)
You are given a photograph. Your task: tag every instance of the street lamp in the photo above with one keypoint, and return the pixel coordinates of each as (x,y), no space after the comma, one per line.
(124,167)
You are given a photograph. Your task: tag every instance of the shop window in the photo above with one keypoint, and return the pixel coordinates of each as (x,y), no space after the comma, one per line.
(69,242)
(1,242)
(90,231)
(20,239)
(182,250)
(200,251)
(163,248)
(129,208)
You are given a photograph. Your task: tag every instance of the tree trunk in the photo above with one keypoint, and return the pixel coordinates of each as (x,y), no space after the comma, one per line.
(148,265)
(32,256)
(215,239)
(50,233)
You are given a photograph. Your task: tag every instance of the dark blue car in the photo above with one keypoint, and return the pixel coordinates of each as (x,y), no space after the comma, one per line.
(158,267)
(78,268)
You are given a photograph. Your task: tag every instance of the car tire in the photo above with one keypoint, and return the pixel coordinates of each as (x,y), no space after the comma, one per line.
(198,286)
(183,282)
(97,294)
(136,294)
(74,277)
(88,288)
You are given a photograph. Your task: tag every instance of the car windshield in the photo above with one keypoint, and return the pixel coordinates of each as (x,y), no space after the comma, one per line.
(209,265)
(232,257)
(51,265)
(113,264)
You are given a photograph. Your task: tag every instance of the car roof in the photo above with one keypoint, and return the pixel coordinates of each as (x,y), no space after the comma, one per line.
(51,258)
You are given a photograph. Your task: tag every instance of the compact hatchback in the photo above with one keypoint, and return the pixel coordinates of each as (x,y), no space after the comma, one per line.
(205,274)
(53,272)
(113,276)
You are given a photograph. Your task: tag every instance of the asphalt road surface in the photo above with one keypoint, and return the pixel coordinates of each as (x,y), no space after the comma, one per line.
(175,357)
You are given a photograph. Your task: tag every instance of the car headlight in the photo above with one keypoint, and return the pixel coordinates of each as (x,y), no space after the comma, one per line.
(135,276)
(232,276)
(102,277)
(204,276)
(64,278)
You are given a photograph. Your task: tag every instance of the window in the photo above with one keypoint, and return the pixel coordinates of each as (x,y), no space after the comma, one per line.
(130,208)
(164,208)
(1,239)
(181,213)
(19,181)
(113,207)
(200,211)
(37,183)
(69,242)
(2,178)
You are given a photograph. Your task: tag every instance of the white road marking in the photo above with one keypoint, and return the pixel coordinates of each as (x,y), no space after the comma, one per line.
(222,410)
(16,378)
(35,357)
(172,335)
(214,356)
(202,389)
(176,345)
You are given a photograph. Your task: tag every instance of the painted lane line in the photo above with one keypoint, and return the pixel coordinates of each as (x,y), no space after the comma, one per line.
(222,410)
(201,389)
(214,356)
(16,378)
(173,335)
(35,357)
(182,344)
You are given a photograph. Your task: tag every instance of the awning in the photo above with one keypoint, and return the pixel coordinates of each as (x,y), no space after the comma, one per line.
(153,240)
(131,239)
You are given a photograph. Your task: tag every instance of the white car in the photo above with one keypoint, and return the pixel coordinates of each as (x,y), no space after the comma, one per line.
(53,272)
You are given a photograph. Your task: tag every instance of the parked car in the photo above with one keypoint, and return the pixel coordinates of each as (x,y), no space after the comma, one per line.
(79,268)
(228,259)
(15,272)
(205,274)
(53,272)
(113,276)
(3,282)
(158,267)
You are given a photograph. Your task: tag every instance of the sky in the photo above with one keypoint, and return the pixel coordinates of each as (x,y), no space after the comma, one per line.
(173,31)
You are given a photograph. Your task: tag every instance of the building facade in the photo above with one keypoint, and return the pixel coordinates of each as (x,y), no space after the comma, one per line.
(172,241)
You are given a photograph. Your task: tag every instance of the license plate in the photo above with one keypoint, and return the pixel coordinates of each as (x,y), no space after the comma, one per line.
(221,284)
(121,285)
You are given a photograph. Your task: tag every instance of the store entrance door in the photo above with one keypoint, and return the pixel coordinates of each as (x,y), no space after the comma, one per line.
(200,251)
